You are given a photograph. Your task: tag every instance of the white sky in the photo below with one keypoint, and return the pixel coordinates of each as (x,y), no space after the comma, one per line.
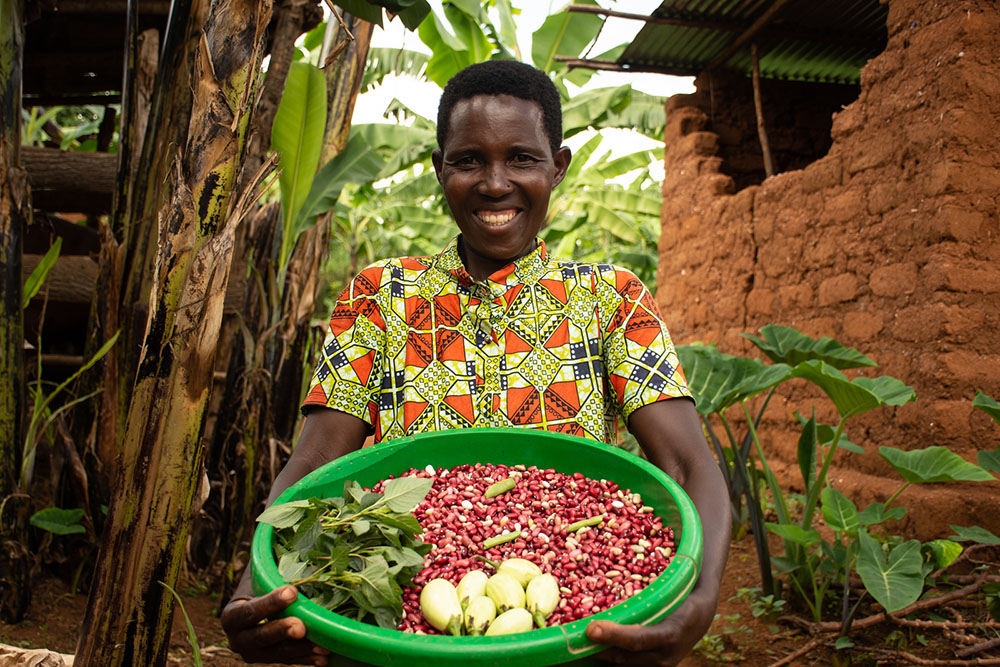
(423,97)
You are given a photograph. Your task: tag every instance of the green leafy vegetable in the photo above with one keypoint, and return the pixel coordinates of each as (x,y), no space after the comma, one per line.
(353,555)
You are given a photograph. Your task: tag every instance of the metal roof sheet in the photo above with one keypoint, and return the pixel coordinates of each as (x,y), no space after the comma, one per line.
(806,40)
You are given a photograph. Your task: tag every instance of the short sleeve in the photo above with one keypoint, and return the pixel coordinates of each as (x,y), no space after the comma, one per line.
(348,374)
(640,358)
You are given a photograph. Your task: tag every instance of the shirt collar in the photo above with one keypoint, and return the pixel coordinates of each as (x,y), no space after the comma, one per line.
(522,270)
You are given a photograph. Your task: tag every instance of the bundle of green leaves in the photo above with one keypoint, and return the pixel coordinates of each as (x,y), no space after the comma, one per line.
(353,554)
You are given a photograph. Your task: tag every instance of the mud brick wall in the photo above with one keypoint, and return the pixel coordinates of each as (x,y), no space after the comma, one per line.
(890,242)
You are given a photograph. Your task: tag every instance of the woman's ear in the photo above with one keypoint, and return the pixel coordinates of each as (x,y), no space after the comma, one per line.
(438,159)
(562,158)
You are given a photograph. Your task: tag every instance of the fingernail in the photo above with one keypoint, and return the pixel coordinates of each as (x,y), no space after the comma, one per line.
(596,633)
(288,594)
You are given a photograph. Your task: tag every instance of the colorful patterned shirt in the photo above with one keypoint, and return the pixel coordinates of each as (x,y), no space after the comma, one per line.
(417,345)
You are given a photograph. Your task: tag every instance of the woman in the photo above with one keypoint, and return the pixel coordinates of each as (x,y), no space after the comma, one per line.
(494,332)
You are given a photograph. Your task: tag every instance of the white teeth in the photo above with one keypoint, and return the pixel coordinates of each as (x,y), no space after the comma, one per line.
(495,219)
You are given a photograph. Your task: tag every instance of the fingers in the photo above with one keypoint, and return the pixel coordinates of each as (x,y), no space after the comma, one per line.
(241,614)
(281,640)
(630,637)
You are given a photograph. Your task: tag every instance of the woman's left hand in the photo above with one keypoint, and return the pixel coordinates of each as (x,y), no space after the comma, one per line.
(664,643)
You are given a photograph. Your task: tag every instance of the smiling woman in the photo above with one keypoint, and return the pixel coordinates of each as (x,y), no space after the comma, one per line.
(497,170)
(494,332)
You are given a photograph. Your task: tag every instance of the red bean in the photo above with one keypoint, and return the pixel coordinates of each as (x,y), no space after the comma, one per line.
(541,505)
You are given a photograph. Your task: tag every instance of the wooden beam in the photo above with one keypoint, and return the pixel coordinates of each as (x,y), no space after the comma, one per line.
(612,66)
(748,34)
(655,20)
(765,146)
(73,171)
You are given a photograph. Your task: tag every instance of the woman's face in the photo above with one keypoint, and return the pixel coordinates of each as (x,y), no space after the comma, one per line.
(497,171)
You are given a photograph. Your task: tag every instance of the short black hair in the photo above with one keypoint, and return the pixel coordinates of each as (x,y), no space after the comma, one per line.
(503,77)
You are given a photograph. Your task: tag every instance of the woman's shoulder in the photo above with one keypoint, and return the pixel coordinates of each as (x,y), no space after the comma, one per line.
(394,268)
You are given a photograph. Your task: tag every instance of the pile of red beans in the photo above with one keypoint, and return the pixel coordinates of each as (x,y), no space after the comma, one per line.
(597,566)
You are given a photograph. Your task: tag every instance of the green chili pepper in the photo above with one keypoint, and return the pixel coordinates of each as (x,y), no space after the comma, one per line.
(503,486)
(583,523)
(501,539)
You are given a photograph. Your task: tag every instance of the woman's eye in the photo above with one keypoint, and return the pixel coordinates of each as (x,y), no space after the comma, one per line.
(523,158)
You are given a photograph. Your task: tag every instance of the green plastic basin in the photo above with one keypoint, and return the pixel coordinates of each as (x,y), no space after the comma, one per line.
(369,644)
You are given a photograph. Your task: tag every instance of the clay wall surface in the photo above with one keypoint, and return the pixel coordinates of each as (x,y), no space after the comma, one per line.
(889,243)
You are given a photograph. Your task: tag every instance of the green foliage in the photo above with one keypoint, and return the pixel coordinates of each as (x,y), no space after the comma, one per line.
(973,534)
(987,405)
(893,575)
(41,272)
(192,635)
(353,554)
(892,571)
(297,136)
(786,345)
(58,521)
(410,12)
(933,464)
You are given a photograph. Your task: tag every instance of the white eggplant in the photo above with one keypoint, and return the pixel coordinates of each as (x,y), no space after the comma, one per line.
(521,569)
(542,598)
(513,620)
(439,605)
(472,585)
(505,591)
(479,614)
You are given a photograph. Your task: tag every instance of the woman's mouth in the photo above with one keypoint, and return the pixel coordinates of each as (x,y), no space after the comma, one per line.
(496,218)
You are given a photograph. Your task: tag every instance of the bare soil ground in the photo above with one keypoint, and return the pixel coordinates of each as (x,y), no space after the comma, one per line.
(737,637)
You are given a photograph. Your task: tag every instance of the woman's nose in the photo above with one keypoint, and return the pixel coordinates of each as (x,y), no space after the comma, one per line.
(496,181)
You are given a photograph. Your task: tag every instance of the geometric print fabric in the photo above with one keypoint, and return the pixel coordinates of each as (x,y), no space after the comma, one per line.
(416,345)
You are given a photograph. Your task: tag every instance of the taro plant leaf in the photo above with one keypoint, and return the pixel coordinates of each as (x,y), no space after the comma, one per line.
(788,346)
(933,464)
(794,533)
(403,493)
(563,34)
(719,380)
(987,405)
(876,514)
(451,54)
(861,395)
(413,15)
(285,514)
(943,552)
(825,433)
(973,534)
(40,272)
(989,460)
(297,135)
(839,512)
(807,451)
(895,579)
(58,521)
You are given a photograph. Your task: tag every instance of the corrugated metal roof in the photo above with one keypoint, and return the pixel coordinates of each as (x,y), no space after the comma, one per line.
(806,40)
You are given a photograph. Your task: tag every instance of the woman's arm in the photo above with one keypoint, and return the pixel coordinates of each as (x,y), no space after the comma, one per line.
(670,434)
(326,435)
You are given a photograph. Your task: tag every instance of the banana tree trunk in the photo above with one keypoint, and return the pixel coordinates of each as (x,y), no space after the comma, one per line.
(256,422)
(15,213)
(129,611)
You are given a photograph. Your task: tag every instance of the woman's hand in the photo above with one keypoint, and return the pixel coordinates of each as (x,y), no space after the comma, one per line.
(665,643)
(280,640)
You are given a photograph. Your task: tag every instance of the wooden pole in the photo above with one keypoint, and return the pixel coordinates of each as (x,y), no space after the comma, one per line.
(15,214)
(129,611)
(765,147)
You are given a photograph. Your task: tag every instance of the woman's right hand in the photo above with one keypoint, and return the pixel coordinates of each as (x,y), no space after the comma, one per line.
(259,640)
